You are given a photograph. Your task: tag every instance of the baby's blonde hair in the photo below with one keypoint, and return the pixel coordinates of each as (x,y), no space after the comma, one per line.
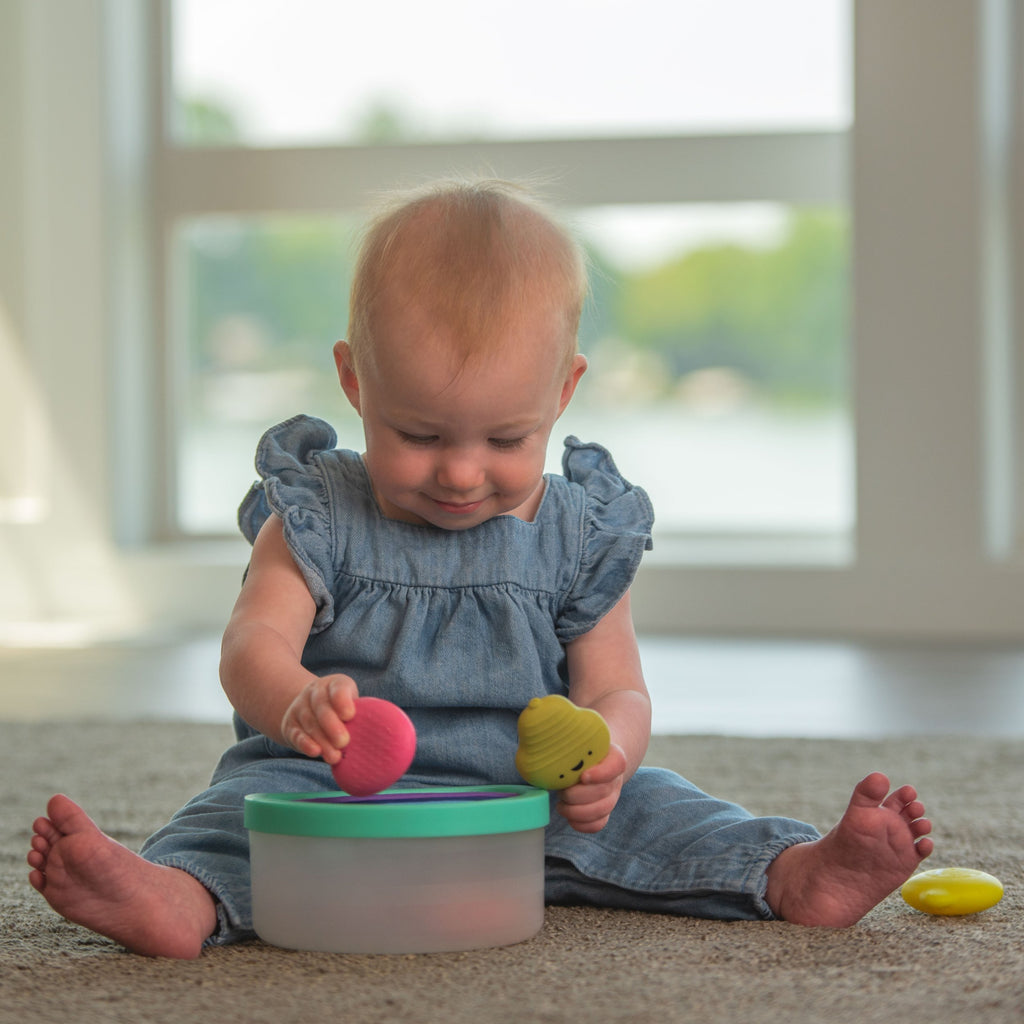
(470,256)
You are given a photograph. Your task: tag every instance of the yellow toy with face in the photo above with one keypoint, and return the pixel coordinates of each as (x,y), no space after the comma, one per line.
(558,741)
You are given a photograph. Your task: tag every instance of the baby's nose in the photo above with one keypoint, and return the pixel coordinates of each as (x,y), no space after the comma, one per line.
(459,471)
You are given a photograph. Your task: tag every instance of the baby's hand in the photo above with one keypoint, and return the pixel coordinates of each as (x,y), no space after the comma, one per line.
(314,723)
(588,805)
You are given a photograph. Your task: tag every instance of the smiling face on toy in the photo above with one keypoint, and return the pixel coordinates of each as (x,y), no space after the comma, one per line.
(558,741)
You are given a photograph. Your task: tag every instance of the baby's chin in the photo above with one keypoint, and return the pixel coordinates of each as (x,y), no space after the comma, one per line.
(423,510)
(426,512)
(447,519)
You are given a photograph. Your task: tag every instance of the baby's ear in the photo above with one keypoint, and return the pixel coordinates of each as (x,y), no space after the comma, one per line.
(576,370)
(347,373)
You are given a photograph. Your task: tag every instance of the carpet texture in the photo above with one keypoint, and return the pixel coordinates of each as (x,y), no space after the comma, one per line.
(587,966)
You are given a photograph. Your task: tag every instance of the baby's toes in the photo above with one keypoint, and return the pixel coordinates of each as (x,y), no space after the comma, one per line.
(913,810)
(45,829)
(920,827)
(900,798)
(40,847)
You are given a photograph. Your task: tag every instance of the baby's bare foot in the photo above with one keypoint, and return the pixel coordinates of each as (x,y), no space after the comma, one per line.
(94,881)
(873,850)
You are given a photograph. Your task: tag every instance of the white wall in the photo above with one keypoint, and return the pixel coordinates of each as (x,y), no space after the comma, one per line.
(57,560)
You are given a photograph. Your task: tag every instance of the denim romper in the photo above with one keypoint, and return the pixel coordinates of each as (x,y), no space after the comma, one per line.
(462,629)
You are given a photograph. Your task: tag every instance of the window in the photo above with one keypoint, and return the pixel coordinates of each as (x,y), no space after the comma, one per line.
(717,332)
(314,72)
(935,354)
(261,301)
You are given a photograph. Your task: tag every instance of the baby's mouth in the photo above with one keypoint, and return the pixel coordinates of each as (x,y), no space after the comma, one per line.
(458,508)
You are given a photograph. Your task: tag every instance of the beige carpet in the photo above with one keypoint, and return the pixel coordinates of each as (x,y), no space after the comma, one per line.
(587,966)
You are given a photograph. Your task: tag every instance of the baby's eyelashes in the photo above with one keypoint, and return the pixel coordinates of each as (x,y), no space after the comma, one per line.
(417,439)
(424,440)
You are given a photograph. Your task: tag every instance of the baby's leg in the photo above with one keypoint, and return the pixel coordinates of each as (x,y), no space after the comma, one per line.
(874,848)
(670,848)
(94,881)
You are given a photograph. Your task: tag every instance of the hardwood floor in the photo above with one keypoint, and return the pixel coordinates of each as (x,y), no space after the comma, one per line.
(698,686)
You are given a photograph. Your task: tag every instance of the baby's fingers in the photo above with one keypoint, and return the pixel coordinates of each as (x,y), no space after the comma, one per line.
(610,768)
(592,814)
(301,728)
(343,692)
(333,704)
(312,725)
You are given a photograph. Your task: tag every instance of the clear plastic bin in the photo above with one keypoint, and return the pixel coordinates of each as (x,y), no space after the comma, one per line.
(407,871)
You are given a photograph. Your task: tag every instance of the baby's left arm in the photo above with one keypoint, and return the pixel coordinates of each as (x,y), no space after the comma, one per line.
(605,675)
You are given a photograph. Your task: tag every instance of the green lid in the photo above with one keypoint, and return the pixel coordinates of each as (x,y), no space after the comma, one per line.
(447,811)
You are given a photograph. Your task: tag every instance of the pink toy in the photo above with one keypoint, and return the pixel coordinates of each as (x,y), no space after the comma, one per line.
(382,742)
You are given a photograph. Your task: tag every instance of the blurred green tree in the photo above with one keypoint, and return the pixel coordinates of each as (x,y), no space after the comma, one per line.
(777,316)
(203,121)
(774,316)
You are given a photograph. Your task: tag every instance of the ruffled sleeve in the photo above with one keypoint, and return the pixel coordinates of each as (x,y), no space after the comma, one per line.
(293,486)
(616,531)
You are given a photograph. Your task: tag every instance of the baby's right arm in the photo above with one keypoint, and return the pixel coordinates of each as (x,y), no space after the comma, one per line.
(261,669)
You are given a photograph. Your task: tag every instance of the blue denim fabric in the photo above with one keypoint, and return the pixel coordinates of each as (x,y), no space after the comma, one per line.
(462,629)
(670,848)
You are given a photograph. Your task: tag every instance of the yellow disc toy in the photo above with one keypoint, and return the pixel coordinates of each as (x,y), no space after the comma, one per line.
(558,741)
(952,891)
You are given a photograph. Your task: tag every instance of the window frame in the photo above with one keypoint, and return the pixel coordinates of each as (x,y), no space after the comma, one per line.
(798,168)
(932,484)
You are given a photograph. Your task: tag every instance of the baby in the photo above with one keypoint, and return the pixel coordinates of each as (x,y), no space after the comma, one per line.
(444,571)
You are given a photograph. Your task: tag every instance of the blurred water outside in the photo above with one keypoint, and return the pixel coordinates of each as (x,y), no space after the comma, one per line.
(750,470)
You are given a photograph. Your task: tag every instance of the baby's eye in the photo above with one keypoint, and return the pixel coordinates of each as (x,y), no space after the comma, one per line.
(417,439)
(506,443)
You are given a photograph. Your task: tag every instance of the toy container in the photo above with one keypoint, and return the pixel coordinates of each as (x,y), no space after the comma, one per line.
(407,871)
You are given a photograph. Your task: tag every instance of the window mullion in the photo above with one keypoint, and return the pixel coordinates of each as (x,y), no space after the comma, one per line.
(917,300)
(799,168)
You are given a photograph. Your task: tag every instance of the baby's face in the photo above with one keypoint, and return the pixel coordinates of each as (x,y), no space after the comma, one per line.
(452,448)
